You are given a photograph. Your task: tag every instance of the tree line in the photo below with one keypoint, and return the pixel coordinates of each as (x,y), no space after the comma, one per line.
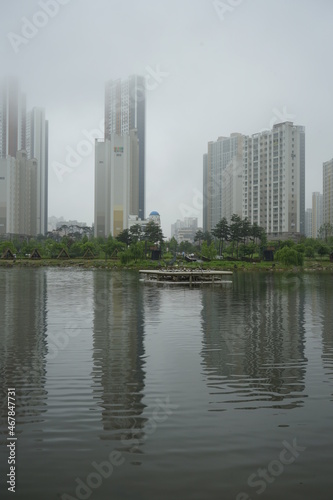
(240,235)
(134,243)
(236,239)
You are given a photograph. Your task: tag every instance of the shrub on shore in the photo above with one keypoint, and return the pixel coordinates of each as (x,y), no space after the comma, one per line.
(289,257)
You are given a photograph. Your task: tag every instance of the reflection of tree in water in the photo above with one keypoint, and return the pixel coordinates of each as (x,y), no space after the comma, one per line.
(22,342)
(119,355)
(253,346)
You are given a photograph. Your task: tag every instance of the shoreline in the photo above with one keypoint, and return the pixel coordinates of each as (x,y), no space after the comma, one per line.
(309,266)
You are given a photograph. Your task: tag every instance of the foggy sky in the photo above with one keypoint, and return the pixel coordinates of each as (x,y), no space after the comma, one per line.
(242,69)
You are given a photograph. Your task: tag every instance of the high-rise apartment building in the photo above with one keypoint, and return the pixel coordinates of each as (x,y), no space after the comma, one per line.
(18,195)
(206,195)
(274,180)
(7,166)
(328,192)
(317,214)
(125,107)
(232,187)
(222,179)
(27,134)
(116,183)
(37,147)
(308,223)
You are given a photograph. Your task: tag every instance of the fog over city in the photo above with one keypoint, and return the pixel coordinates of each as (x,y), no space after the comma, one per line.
(211,67)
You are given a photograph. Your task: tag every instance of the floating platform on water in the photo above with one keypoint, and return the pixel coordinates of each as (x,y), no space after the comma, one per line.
(185,277)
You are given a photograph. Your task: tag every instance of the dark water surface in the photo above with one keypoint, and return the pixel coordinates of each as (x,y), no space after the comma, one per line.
(133,391)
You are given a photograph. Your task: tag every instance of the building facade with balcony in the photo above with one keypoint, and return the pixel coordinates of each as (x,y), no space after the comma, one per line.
(274,180)
(222,179)
(328,192)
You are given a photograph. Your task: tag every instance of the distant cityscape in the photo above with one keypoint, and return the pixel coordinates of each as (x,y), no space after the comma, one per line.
(259,177)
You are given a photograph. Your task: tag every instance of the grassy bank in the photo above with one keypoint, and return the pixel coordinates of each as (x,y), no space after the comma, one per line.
(309,265)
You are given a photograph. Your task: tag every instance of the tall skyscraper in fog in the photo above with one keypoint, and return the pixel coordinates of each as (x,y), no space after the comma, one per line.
(37,147)
(125,108)
(23,142)
(12,118)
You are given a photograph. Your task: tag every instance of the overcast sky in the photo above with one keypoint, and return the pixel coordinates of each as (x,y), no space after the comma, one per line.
(214,68)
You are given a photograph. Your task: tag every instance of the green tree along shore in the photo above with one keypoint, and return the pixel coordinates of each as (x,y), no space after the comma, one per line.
(238,243)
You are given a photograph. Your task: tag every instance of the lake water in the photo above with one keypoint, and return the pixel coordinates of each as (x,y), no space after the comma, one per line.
(134,391)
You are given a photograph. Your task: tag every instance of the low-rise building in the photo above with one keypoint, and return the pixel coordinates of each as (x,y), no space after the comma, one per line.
(185,230)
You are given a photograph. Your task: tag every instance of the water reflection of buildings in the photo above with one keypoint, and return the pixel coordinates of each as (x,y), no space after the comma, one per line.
(118,356)
(22,341)
(253,345)
(327,326)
